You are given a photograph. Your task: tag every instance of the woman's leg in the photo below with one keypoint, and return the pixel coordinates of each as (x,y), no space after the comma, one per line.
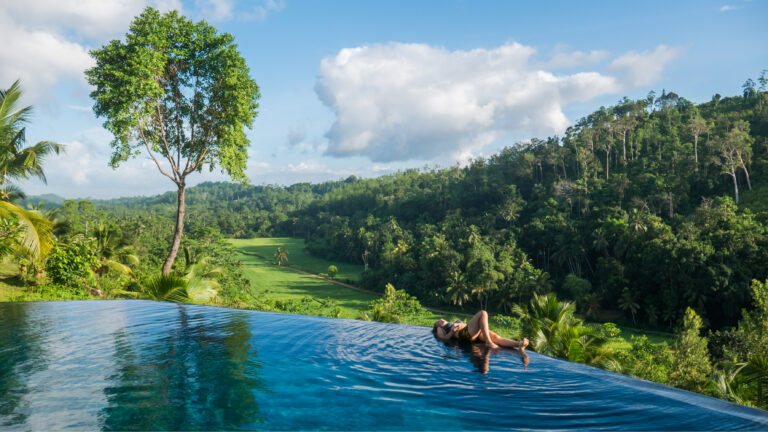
(478,327)
(508,343)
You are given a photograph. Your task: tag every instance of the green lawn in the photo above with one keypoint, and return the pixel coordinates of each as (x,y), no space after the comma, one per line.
(297,258)
(273,282)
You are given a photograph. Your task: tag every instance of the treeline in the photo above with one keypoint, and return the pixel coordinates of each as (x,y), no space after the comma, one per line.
(641,209)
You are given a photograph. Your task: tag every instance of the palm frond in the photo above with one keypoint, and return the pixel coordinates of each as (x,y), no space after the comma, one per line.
(37,238)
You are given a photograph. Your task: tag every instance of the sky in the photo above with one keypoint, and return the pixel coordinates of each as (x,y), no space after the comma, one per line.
(368,88)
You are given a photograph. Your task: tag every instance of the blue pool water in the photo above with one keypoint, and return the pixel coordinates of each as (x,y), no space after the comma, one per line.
(122,365)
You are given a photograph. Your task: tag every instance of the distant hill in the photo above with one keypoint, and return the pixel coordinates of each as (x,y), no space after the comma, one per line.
(50,200)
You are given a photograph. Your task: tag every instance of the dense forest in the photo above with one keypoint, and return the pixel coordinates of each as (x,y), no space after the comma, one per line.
(641,209)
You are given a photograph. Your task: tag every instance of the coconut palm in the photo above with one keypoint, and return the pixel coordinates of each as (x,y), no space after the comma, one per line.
(627,303)
(201,277)
(170,288)
(281,256)
(557,332)
(756,370)
(32,231)
(35,233)
(114,252)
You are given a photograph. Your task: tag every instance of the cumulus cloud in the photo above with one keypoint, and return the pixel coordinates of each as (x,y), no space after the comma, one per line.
(575,58)
(40,59)
(413,101)
(43,39)
(397,102)
(637,69)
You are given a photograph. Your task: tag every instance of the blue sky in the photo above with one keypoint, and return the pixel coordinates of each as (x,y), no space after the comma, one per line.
(366,88)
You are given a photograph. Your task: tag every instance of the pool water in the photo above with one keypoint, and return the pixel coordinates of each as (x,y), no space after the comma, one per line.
(138,365)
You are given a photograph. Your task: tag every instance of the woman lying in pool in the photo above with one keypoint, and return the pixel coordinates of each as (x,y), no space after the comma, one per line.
(475,329)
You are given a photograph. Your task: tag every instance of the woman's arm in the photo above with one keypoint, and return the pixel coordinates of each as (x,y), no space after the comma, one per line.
(442,335)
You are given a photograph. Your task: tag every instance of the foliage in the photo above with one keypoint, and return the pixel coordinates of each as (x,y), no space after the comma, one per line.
(170,288)
(556,331)
(646,360)
(28,229)
(281,256)
(691,366)
(70,263)
(392,307)
(332,271)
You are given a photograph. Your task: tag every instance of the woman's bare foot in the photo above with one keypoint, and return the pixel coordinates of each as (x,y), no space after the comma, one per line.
(491,345)
(523,344)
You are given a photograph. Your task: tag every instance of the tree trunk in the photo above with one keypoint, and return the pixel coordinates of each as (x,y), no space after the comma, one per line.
(565,174)
(607,163)
(179,230)
(696,150)
(671,206)
(746,172)
(624,145)
(735,185)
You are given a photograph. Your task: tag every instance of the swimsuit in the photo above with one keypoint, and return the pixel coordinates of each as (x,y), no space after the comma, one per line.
(448,327)
(463,334)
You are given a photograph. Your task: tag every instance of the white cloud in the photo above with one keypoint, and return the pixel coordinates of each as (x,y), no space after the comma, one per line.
(412,101)
(264,8)
(40,59)
(575,58)
(216,9)
(726,8)
(43,39)
(645,68)
(226,9)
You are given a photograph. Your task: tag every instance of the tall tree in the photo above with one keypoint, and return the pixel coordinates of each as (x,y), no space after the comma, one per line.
(180,92)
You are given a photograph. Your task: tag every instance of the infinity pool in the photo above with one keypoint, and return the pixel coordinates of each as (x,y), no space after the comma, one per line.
(147,365)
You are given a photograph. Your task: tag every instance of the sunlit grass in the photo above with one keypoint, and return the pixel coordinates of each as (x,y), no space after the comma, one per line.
(297,258)
(269,281)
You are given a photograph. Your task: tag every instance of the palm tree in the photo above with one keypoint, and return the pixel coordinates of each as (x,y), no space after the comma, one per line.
(458,291)
(32,231)
(557,332)
(201,277)
(114,253)
(35,233)
(281,256)
(627,303)
(756,370)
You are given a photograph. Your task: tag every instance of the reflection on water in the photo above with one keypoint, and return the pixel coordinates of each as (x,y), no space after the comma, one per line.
(21,354)
(183,379)
(130,365)
(480,355)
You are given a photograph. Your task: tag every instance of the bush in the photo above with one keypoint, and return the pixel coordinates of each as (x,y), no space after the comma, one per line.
(69,264)
(691,367)
(332,271)
(392,306)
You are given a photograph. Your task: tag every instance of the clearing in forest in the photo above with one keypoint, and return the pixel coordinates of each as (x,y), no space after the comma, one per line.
(279,283)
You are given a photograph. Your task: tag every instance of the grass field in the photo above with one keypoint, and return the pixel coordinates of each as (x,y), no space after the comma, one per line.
(265,248)
(273,282)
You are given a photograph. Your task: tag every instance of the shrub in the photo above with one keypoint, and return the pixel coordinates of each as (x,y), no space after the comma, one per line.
(332,271)
(69,264)
(392,306)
